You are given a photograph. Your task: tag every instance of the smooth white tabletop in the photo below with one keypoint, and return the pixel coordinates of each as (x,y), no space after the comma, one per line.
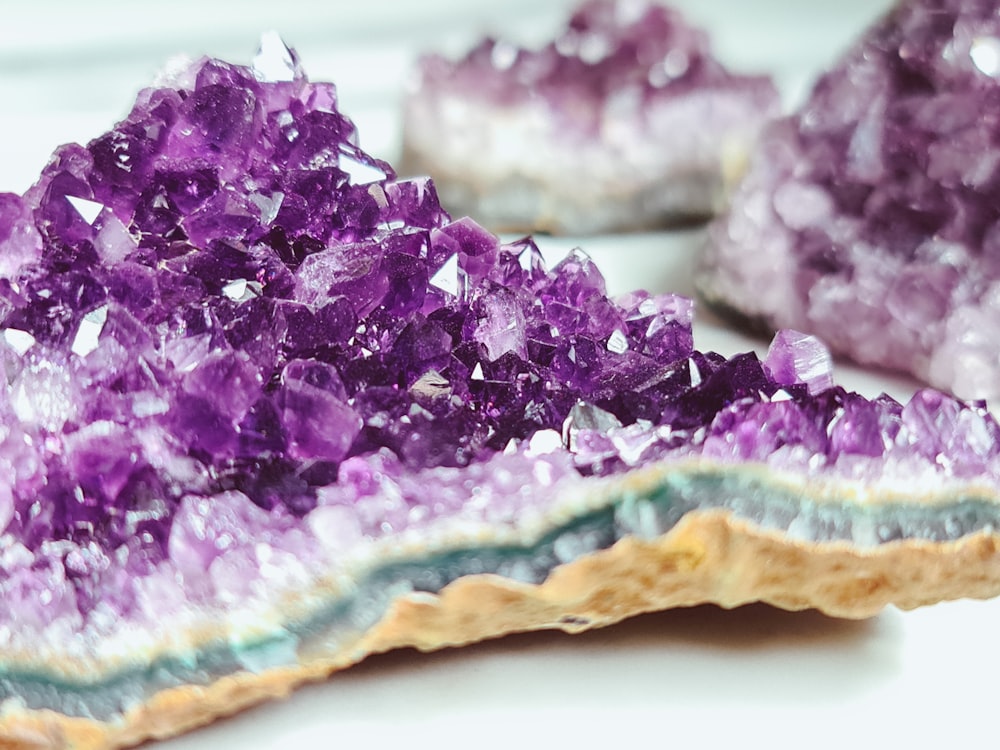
(702,677)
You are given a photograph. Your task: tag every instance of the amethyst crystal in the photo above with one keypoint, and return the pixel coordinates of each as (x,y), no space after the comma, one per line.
(624,121)
(252,400)
(871,216)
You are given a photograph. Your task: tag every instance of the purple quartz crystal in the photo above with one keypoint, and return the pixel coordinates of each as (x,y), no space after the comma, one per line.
(870,217)
(233,371)
(797,358)
(625,120)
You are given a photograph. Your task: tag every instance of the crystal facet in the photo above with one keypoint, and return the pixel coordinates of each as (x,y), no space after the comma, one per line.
(870,217)
(624,121)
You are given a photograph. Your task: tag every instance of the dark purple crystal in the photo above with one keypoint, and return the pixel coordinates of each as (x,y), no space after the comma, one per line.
(212,330)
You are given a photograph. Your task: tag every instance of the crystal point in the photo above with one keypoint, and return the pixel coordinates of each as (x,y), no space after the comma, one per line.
(274,61)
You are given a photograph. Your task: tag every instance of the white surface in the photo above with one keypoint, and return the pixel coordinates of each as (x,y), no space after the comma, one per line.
(752,677)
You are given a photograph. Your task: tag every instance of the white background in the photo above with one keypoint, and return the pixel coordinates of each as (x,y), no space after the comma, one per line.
(702,677)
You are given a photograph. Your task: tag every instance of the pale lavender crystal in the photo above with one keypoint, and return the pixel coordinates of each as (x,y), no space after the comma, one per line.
(17,233)
(794,357)
(625,120)
(870,217)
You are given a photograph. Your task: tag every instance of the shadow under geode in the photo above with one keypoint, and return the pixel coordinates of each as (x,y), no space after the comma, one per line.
(678,659)
(797,657)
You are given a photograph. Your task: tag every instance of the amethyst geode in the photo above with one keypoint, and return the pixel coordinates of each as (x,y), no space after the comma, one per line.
(624,121)
(871,216)
(260,395)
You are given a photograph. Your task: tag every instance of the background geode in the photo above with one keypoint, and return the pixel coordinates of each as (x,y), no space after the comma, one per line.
(870,216)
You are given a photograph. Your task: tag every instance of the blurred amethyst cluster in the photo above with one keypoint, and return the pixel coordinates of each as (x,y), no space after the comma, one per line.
(625,120)
(606,48)
(872,216)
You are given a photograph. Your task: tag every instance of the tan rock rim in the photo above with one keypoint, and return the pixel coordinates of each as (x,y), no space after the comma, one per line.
(709,557)
(575,501)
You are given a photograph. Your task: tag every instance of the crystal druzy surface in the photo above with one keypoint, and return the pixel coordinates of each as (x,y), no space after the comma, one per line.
(244,362)
(871,216)
(624,120)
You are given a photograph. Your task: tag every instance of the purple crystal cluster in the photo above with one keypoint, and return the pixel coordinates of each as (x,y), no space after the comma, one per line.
(624,120)
(212,313)
(236,346)
(872,216)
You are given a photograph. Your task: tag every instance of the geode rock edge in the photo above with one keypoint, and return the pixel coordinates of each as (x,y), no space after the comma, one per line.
(709,556)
